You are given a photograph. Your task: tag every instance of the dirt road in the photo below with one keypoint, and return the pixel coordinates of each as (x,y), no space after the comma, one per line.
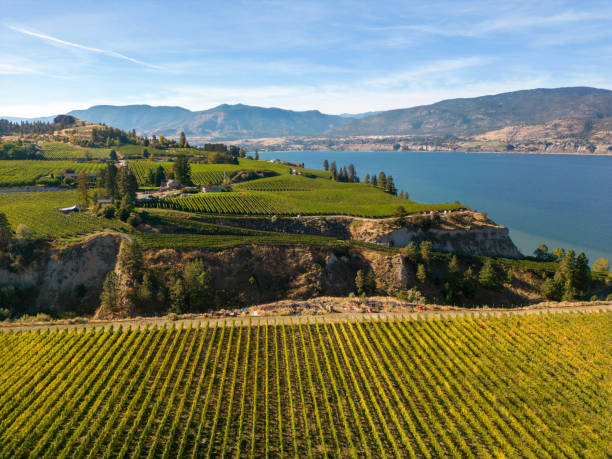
(285,319)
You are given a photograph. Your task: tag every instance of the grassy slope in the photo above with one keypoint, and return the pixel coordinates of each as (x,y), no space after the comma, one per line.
(466,387)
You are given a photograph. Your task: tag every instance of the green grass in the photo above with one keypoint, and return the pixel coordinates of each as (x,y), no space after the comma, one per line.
(26,172)
(39,212)
(511,386)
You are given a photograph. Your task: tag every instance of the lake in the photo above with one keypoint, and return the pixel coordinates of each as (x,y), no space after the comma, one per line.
(559,200)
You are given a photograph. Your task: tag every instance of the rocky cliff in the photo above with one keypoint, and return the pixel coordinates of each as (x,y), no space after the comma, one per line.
(463,232)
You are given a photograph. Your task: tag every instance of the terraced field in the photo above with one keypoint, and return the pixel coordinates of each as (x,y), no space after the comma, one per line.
(511,386)
(26,172)
(39,212)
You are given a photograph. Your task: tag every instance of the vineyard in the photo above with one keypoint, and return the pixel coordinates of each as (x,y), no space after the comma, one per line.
(511,386)
(60,150)
(26,172)
(38,211)
(342,199)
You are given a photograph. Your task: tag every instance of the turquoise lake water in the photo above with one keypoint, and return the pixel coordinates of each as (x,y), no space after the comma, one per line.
(560,200)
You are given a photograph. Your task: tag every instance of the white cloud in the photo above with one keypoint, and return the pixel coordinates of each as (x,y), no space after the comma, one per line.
(59,41)
(436,67)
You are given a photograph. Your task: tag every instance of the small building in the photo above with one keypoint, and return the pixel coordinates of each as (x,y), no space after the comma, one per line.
(211,189)
(69,210)
(171,184)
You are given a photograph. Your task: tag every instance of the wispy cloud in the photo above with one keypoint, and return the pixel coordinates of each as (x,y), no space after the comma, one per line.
(59,41)
(436,67)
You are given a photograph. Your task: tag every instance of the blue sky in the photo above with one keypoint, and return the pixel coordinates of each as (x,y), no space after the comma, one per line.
(335,56)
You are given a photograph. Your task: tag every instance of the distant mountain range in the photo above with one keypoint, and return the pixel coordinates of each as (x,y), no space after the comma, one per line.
(223,122)
(458,117)
(481,114)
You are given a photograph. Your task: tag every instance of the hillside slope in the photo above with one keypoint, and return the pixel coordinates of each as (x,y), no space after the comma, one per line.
(486,113)
(224,121)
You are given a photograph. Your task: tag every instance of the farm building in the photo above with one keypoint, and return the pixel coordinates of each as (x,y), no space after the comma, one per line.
(211,189)
(69,210)
(169,185)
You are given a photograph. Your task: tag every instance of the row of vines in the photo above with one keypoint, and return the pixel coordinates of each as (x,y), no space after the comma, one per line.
(428,388)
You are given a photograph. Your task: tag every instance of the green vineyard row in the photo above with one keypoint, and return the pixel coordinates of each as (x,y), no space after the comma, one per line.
(510,386)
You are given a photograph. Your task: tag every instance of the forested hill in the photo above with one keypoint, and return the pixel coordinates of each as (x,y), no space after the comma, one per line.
(481,114)
(224,121)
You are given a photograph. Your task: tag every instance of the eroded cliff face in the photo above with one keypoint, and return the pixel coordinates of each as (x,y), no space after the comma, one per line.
(70,278)
(464,232)
(258,274)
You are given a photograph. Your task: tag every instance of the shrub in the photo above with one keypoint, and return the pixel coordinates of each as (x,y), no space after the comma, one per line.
(411,296)
(108,212)
(5,314)
(134,220)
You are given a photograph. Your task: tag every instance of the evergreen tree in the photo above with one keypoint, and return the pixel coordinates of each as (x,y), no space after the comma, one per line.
(551,290)
(558,254)
(109,297)
(351,173)
(453,269)
(468,284)
(374,180)
(411,251)
(390,186)
(182,170)
(366,179)
(421,273)
(382,180)
(183,140)
(541,253)
(325,165)
(582,270)
(487,276)
(426,248)
(113,154)
(110,181)
(151,177)
(333,171)
(370,283)
(129,259)
(360,282)
(127,185)
(196,284)
(177,296)
(256,155)
(6,233)
(160,175)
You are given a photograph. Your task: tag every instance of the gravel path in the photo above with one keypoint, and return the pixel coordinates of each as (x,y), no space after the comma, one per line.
(245,320)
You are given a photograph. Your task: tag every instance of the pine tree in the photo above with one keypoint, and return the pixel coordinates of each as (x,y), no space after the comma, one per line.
(325,165)
(160,175)
(366,179)
(109,297)
(256,155)
(382,180)
(487,276)
(582,270)
(351,173)
(110,181)
(421,273)
(360,282)
(411,251)
(196,284)
(426,248)
(370,283)
(177,297)
(182,170)
(333,171)
(183,140)
(390,186)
